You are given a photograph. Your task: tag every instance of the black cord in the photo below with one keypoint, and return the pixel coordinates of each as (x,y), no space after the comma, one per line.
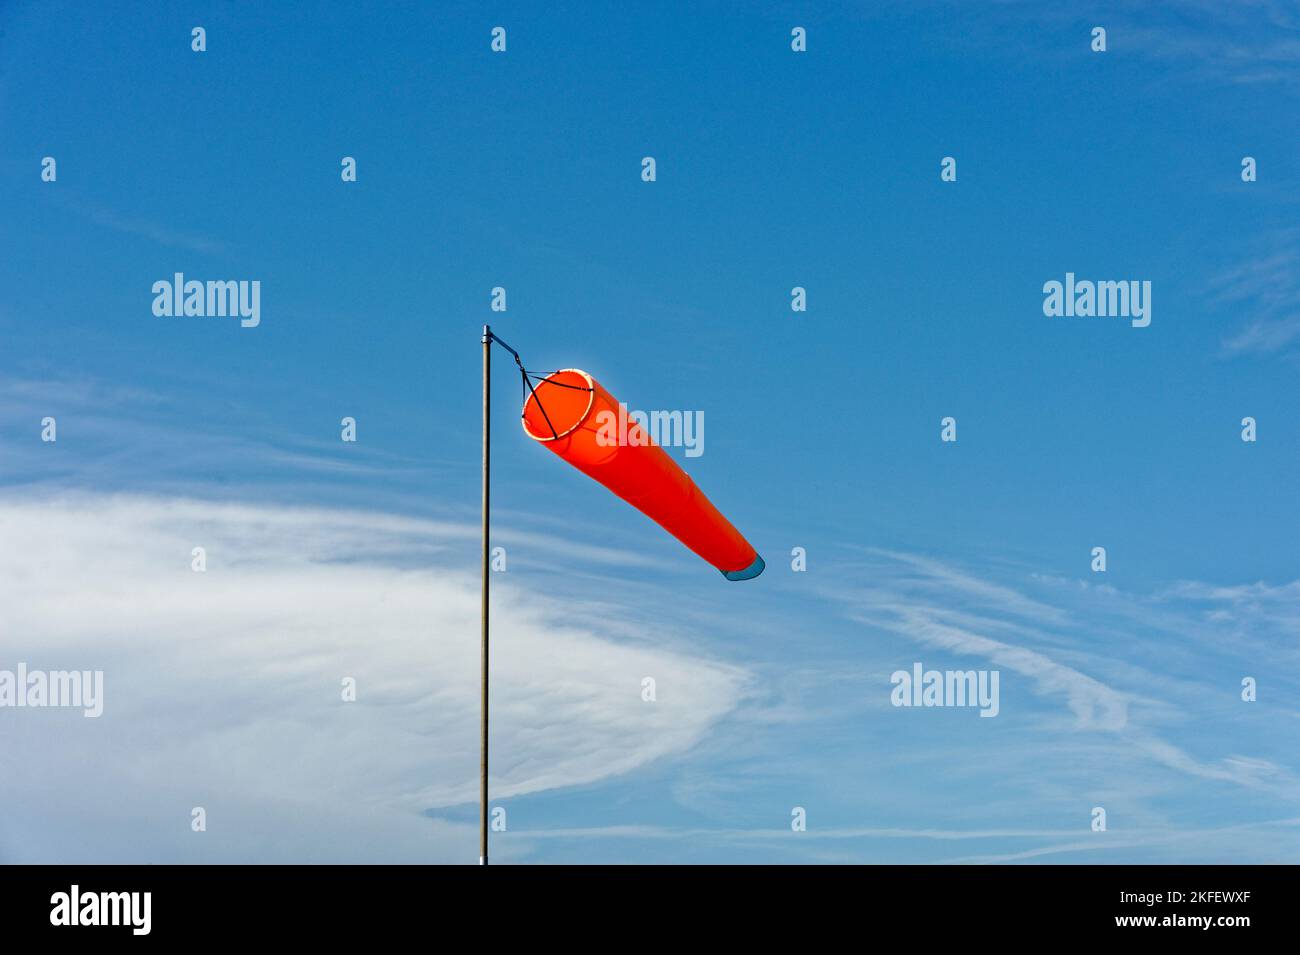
(526,382)
(529,382)
(547,380)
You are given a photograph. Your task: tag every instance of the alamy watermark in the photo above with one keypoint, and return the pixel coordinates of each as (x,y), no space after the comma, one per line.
(668,429)
(922,687)
(83,689)
(217,299)
(1127,298)
(129,909)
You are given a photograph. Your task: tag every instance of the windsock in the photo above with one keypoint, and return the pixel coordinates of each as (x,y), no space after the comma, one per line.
(571,414)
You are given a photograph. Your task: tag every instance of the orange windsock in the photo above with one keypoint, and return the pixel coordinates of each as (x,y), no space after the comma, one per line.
(570,413)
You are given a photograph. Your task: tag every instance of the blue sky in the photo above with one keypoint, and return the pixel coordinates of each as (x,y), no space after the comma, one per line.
(774,170)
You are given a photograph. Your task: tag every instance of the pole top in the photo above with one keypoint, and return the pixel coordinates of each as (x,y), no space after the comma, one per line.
(487,334)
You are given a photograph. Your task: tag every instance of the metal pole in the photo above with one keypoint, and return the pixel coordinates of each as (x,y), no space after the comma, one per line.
(483,673)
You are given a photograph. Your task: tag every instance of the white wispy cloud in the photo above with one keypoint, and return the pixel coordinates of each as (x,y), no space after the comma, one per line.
(918,598)
(155,231)
(1273,839)
(1263,293)
(222,689)
(1250,42)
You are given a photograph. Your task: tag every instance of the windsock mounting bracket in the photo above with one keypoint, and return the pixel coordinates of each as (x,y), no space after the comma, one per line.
(526,380)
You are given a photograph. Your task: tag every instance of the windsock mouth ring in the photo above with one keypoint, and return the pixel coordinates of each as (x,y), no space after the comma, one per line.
(558,404)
